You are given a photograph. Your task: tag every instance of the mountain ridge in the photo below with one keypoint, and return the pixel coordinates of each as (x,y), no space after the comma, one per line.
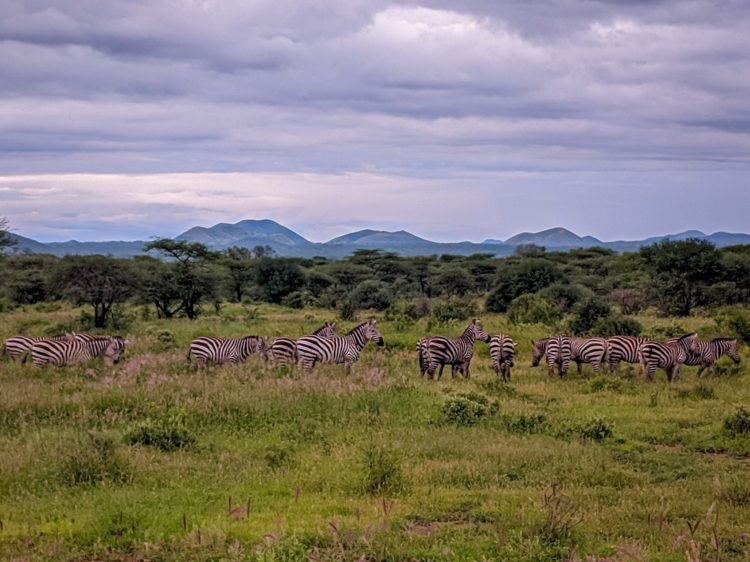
(286,242)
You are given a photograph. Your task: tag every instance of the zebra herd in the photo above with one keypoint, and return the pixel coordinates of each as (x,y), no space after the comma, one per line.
(325,345)
(66,350)
(322,346)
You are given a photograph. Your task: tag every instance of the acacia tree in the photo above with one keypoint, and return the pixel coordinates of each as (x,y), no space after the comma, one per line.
(240,266)
(5,238)
(97,281)
(191,279)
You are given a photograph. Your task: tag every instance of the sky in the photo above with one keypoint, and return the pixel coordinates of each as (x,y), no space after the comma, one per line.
(453,120)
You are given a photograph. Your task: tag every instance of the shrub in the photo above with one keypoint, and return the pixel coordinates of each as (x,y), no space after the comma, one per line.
(381,472)
(93,460)
(296,300)
(371,294)
(595,430)
(454,308)
(587,313)
(404,311)
(701,391)
(526,423)
(671,330)
(526,276)
(468,409)
(533,309)
(278,456)
(347,310)
(735,321)
(565,296)
(166,339)
(166,434)
(616,325)
(738,423)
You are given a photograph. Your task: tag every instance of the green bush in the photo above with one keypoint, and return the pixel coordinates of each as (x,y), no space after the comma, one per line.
(454,308)
(381,472)
(93,460)
(347,310)
(533,309)
(166,339)
(565,296)
(296,300)
(166,434)
(595,430)
(587,313)
(616,325)
(738,423)
(528,275)
(468,409)
(735,321)
(526,423)
(701,391)
(371,294)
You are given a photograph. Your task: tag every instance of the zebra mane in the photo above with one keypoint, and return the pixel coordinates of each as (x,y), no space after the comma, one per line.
(358,328)
(719,340)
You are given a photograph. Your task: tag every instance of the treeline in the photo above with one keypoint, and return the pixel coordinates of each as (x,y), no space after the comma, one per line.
(588,286)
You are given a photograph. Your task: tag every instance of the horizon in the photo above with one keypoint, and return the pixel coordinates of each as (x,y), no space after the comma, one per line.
(620,121)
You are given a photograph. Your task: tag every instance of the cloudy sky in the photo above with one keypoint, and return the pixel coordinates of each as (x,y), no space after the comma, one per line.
(454,120)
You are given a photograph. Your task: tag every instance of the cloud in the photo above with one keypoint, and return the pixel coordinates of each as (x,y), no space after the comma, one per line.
(423,93)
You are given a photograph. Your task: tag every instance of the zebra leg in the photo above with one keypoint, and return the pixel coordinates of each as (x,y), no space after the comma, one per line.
(650,370)
(613,364)
(579,367)
(467,369)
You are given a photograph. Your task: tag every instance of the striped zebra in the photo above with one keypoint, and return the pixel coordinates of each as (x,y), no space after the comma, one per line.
(704,354)
(538,350)
(208,349)
(78,350)
(667,356)
(338,349)
(284,350)
(588,350)
(422,351)
(20,346)
(503,353)
(624,348)
(558,355)
(440,351)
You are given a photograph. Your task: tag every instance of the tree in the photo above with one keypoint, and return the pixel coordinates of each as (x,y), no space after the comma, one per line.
(6,240)
(190,275)
(158,285)
(681,272)
(526,276)
(454,281)
(97,281)
(240,267)
(533,309)
(371,294)
(587,313)
(276,278)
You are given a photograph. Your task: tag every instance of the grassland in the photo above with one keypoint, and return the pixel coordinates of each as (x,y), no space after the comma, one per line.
(155,460)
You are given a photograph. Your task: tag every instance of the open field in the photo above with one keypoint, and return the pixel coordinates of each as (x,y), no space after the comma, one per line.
(141,461)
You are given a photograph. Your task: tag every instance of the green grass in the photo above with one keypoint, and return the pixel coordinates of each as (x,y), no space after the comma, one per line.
(142,460)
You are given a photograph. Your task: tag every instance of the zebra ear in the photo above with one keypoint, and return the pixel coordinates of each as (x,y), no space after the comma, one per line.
(533,343)
(332,324)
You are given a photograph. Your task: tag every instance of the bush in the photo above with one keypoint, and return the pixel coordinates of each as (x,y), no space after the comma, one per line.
(166,339)
(468,409)
(587,313)
(167,434)
(595,430)
(701,391)
(296,300)
(616,325)
(454,308)
(371,294)
(533,309)
(404,311)
(738,423)
(526,423)
(381,472)
(735,321)
(93,460)
(347,310)
(671,330)
(565,296)
(526,276)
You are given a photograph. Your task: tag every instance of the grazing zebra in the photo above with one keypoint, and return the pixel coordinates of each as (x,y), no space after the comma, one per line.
(624,348)
(225,350)
(284,350)
(422,351)
(503,353)
(440,351)
(538,350)
(558,355)
(705,354)
(20,346)
(338,349)
(77,350)
(592,351)
(668,356)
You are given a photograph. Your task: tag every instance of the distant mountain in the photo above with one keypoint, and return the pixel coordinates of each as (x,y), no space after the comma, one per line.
(247,233)
(286,242)
(553,238)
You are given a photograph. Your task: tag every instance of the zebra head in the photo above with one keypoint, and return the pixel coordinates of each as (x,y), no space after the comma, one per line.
(686,345)
(114,350)
(476,332)
(372,333)
(538,349)
(732,350)
(327,331)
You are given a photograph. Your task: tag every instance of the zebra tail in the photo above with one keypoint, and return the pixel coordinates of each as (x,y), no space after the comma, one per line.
(189,356)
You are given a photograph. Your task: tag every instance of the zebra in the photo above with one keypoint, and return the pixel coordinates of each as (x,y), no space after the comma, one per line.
(558,355)
(503,353)
(624,348)
(338,349)
(20,346)
(208,349)
(704,354)
(440,351)
(538,350)
(591,350)
(668,356)
(422,351)
(77,350)
(284,350)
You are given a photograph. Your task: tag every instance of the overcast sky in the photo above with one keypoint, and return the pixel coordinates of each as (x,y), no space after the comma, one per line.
(619,119)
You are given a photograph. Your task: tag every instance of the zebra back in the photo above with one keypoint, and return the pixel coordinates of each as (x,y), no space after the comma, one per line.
(346,349)
(20,346)
(538,350)
(284,350)
(667,355)
(558,354)
(502,350)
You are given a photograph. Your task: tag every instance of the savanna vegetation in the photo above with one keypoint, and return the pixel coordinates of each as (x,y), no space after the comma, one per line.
(155,459)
